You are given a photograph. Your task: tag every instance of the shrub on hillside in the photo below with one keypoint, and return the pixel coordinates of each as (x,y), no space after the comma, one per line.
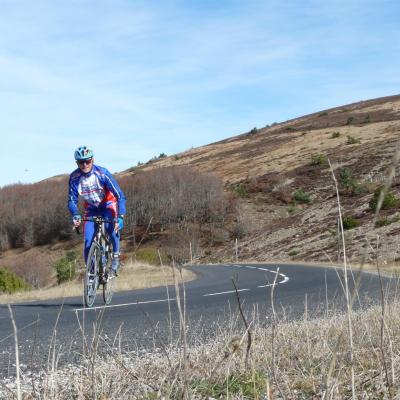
(349,223)
(319,159)
(151,255)
(347,180)
(387,221)
(352,140)
(240,189)
(10,282)
(252,131)
(301,196)
(389,201)
(335,135)
(66,267)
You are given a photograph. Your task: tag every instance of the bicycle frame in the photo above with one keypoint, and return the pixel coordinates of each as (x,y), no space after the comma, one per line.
(99,258)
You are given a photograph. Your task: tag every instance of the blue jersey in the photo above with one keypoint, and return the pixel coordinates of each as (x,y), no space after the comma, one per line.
(98,188)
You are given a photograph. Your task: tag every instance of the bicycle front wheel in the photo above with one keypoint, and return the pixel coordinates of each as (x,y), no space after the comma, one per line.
(91,275)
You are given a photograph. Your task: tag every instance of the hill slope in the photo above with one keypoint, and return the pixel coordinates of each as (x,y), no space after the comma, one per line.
(266,166)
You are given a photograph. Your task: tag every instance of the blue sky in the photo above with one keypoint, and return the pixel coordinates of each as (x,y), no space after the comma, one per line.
(133,79)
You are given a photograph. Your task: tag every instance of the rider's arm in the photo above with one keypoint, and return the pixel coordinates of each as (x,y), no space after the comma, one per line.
(113,186)
(73,196)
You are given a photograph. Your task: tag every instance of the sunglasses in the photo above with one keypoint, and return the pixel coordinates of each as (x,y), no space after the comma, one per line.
(88,161)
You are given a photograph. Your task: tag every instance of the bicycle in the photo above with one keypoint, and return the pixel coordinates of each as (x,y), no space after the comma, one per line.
(98,264)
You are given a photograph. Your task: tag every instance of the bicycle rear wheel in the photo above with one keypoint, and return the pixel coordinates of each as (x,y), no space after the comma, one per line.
(91,275)
(108,285)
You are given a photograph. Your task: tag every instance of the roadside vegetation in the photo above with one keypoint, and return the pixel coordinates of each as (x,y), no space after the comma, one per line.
(181,208)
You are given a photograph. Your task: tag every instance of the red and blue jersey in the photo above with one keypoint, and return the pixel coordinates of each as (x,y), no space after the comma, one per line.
(98,188)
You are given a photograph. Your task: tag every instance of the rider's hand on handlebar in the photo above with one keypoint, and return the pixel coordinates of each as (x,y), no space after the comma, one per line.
(118,223)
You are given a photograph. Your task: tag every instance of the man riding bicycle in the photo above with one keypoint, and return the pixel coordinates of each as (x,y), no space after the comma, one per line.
(102,197)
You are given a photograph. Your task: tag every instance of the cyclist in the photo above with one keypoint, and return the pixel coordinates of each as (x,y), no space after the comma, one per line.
(102,197)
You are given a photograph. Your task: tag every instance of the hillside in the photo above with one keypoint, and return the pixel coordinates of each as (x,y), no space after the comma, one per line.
(266,166)
(272,190)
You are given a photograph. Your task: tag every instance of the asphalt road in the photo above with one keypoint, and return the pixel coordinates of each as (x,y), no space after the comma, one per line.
(144,318)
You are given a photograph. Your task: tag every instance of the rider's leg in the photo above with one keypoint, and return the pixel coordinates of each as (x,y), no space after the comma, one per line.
(109,213)
(89,231)
(114,236)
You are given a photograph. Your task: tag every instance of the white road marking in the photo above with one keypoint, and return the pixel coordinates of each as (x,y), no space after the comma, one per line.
(230,291)
(123,305)
(285,279)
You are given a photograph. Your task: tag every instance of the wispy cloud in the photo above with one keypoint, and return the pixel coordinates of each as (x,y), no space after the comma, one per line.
(137,79)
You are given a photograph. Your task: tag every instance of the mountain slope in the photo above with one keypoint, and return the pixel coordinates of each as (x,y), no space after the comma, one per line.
(267,166)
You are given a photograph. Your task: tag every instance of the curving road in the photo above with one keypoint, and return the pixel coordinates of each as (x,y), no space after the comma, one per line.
(143,316)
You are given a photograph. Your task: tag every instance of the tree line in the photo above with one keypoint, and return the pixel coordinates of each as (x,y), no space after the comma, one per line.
(36,214)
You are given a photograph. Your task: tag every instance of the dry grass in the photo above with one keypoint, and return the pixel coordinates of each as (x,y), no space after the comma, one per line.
(133,275)
(303,352)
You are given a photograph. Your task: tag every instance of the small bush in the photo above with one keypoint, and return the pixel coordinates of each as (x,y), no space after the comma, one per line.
(368,119)
(323,114)
(66,268)
(240,189)
(253,131)
(292,253)
(248,385)
(150,255)
(350,184)
(382,222)
(291,209)
(389,201)
(349,223)
(346,180)
(335,135)
(349,120)
(387,221)
(364,187)
(301,196)
(319,159)
(352,140)
(11,283)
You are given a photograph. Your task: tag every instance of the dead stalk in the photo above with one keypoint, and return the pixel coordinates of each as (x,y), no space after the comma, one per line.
(157,336)
(274,321)
(182,323)
(249,339)
(382,325)
(19,394)
(96,331)
(32,355)
(168,298)
(347,292)
(388,182)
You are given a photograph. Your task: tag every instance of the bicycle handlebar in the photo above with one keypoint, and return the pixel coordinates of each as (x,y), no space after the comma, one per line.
(95,219)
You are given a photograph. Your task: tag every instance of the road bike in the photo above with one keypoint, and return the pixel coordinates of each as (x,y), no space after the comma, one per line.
(98,265)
